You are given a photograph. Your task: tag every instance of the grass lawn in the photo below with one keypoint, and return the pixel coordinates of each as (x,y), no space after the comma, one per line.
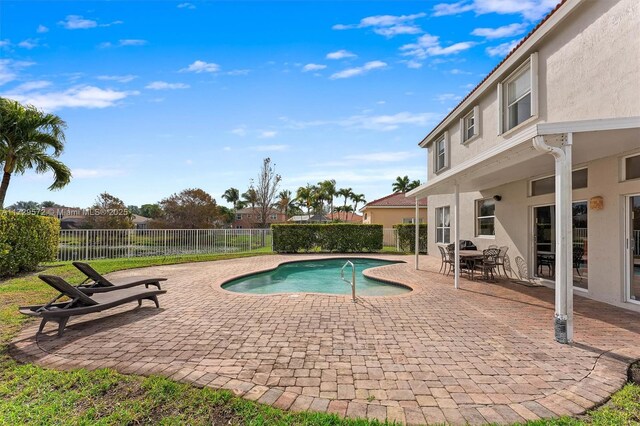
(33,395)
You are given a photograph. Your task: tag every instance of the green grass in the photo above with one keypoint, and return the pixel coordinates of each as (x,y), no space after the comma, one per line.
(30,394)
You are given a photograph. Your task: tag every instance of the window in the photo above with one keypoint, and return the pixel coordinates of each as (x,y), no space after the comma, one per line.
(365,216)
(632,167)
(443,226)
(547,185)
(238,217)
(485,217)
(470,125)
(518,95)
(410,220)
(441,154)
(273,217)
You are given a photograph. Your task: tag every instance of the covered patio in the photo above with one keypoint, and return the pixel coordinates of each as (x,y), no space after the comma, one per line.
(476,354)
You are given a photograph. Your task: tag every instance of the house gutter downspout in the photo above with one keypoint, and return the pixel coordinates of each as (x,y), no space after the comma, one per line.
(563,321)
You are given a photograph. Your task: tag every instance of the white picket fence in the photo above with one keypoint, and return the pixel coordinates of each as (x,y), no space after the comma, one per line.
(91,244)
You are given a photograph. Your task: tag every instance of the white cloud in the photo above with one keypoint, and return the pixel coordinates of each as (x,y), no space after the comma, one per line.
(238,72)
(502,49)
(313,67)
(352,72)
(382,157)
(186,6)
(239,131)
(29,43)
(270,148)
(75,97)
(119,78)
(457,71)
(42,29)
(370,122)
(531,10)
(412,64)
(76,22)
(163,85)
(31,85)
(96,173)
(5,43)
(9,69)
(445,97)
(132,42)
(341,54)
(429,45)
(201,66)
(387,25)
(500,32)
(226,148)
(267,134)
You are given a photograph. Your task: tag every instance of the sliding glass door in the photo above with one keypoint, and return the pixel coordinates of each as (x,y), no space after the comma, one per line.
(633,247)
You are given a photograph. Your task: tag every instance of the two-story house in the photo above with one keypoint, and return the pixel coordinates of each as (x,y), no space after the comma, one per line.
(543,157)
(249,218)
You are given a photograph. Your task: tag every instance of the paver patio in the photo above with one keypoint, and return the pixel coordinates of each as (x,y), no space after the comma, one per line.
(483,353)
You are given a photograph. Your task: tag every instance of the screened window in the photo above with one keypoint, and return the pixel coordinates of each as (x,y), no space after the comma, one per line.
(547,185)
(485,217)
(518,96)
(632,167)
(469,126)
(443,226)
(441,153)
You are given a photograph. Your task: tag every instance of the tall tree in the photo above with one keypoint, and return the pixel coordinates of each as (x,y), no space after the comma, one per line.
(401,184)
(189,209)
(134,209)
(250,197)
(108,212)
(413,185)
(347,193)
(30,139)
(266,190)
(328,190)
(24,205)
(48,204)
(305,196)
(152,211)
(357,199)
(232,195)
(286,203)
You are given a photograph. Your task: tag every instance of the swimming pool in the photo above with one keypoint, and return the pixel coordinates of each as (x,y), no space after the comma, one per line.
(316,276)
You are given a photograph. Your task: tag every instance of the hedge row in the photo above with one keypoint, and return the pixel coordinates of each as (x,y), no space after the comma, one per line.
(26,240)
(407,237)
(331,237)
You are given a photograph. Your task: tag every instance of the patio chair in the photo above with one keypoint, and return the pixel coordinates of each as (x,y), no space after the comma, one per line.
(488,263)
(96,283)
(81,304)
(447,261)
(500,259)
(578,252)
(548,261)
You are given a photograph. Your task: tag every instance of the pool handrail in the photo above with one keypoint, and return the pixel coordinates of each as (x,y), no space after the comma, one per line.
(353,279)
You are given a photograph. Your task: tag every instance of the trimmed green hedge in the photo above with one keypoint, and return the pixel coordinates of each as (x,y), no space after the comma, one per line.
(26,240)
(407,237)
(331,237)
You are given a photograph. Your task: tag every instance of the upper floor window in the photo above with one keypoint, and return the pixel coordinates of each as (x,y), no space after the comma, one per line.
(441,155)
(469,125)
(238,216)
(547,185)
(273,217)
(632,167)
(519,95)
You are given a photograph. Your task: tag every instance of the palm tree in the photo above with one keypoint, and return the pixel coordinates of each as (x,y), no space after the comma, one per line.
(347,193)
(328,190)
(250,197)
(26,136)
(305,195)
(285,202)
(357,199)
(232,195)
(413,185)
(401,184)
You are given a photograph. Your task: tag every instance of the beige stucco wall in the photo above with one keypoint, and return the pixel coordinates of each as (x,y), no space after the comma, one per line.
(588,68)
(387,217)
(514,217)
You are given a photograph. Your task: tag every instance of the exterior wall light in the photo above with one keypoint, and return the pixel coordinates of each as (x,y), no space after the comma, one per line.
(497,197)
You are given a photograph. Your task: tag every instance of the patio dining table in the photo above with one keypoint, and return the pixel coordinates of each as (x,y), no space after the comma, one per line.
(469,257)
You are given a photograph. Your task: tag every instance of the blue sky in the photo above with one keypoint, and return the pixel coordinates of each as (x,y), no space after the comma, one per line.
(160,96)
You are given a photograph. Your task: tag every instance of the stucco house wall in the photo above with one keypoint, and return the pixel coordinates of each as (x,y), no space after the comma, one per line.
(389,216)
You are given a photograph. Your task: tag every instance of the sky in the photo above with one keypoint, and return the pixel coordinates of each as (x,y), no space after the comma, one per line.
(160,96)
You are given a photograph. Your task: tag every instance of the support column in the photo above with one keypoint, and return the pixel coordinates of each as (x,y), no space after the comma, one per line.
(456,234)
(417,231)
(563,318)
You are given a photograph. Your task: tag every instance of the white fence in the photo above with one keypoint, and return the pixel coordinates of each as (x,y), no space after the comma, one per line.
(90,244)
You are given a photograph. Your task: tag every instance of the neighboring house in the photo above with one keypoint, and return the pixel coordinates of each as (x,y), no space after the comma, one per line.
(394,209)
(140,222)
(570,88)
(309,218)
(345,217)
(250,218)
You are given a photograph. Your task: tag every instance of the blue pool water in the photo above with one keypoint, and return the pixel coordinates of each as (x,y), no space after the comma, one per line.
(316,276)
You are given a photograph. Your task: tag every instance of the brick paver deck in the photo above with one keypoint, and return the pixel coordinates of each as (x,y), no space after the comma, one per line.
(483,353)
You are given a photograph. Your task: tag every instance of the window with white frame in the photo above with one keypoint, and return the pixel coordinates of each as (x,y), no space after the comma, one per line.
(410,220)
(440,154)
(485,217)
(443,225)
(238,216)
(470,125)
(273,217)
(518,95)
(632,167)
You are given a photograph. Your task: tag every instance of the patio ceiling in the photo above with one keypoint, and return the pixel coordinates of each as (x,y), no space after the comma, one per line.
(516,159)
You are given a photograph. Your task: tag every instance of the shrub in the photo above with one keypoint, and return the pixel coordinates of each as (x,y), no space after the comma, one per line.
(407,237)
(331,237)
(26,240)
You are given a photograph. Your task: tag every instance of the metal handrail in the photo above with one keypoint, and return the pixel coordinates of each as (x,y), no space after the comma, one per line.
(353,279)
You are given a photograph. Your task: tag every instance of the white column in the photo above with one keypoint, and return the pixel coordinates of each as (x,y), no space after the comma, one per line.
(456,234)
(417,230)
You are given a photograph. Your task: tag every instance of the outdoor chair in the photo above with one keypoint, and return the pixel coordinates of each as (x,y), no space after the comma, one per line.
(447,261)
(548,261)
(578,252)
(80,303)
(488,263)
(96,283)
(500,260)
